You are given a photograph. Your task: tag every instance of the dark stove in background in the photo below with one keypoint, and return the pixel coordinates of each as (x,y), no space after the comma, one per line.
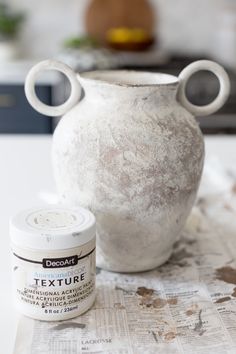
(202,89)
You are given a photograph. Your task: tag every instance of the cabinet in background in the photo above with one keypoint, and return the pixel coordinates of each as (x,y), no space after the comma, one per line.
(17,116)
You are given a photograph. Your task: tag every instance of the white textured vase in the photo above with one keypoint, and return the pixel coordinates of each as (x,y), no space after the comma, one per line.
(132,154)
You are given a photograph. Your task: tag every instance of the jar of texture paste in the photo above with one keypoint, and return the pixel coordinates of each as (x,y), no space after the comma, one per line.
(53,255)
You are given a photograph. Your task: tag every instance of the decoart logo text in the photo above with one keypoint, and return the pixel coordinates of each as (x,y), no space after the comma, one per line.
(60,262)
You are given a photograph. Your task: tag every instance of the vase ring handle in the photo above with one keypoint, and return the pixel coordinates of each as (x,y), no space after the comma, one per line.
(35,101)
(222,96)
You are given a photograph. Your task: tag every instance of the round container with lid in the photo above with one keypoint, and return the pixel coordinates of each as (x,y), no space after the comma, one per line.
(53,260)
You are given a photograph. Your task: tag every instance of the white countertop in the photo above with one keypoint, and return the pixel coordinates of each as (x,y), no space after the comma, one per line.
(25,175)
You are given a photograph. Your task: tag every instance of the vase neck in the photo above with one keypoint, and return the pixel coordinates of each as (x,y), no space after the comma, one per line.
(128,86)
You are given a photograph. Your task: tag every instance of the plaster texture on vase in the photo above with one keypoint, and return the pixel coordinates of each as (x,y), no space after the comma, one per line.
(134,156)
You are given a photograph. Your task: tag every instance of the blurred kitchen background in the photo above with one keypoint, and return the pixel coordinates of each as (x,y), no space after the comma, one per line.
(155,35)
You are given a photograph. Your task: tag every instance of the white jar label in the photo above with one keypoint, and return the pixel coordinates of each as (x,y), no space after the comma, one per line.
(54,285)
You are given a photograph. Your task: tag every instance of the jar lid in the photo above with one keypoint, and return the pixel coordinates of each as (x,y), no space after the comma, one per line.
(52,228)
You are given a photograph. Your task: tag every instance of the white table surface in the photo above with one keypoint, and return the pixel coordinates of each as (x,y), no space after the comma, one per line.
(26,174)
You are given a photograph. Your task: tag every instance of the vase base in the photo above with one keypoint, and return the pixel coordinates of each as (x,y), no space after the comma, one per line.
(131,268)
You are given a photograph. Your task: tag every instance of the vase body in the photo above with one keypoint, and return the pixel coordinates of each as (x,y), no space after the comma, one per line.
(132,155)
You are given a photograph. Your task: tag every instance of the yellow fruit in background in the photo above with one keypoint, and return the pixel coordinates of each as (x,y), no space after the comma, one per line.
(127,35)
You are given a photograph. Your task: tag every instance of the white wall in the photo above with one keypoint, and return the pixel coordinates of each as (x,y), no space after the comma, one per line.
(187,25)
(48,23)
(184,25)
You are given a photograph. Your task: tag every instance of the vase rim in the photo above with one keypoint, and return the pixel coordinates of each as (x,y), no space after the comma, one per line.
(129,78)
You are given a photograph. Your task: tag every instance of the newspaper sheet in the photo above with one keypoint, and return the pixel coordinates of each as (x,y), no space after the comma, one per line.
(186,306)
